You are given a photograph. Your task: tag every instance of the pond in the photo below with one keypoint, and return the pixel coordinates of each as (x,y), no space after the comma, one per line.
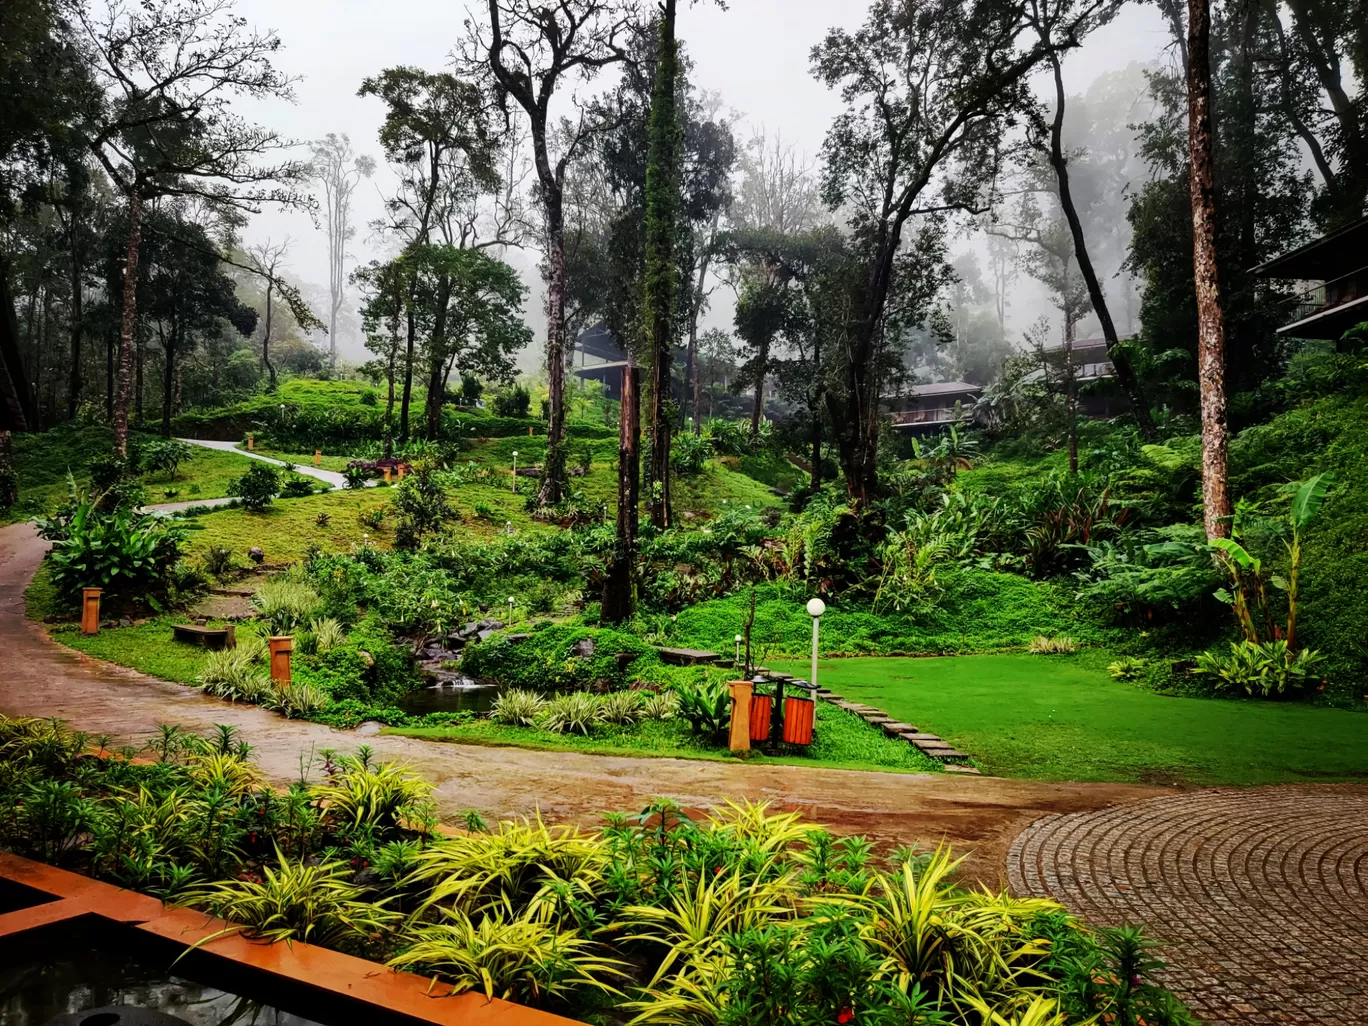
(89,984)
(455,694)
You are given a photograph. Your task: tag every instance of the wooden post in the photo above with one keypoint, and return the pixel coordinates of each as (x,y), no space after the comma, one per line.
(318,457)
(529,431)
(90,610)
(739,738)
(251,443)
(280,658)
(230,637)
(402,471)
(387,475)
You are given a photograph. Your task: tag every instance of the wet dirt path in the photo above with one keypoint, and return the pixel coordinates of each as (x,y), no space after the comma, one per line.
(979,816)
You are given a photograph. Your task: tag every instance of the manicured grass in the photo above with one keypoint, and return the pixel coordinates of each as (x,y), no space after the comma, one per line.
(302,459)
(287,528)
(43,461)
(148,648)
(842,741)
(1064,718)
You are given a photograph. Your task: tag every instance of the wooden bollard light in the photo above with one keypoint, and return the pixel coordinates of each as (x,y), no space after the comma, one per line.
(403,469)
(251,443)
(281,647)
(739,738)
(387,475)
(318,457)
(90,610)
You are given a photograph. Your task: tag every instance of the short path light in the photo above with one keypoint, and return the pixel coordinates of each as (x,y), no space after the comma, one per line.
(510,607)
(815,608)
(515,470)
(737,660)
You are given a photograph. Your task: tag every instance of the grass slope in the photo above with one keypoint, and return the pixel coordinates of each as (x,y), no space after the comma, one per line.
(1064,718)
(42,462)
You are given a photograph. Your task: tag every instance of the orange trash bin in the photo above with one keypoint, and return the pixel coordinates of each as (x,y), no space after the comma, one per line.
(761,708)
(798,716)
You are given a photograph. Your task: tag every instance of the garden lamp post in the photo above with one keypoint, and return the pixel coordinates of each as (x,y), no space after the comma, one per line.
(737,660)
(510,607)
(515,470)
(815,607)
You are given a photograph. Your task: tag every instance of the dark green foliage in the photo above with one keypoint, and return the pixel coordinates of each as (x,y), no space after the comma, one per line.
(296,487)
(690,453)
(513,403)
(707,707)
(420,505)
(129,554)
(257,488)
(547,661)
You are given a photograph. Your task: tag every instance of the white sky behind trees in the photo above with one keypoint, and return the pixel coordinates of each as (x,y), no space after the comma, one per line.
(755,54)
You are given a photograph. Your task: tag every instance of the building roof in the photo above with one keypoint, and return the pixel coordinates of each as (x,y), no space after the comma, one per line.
(1324,259)
(598,341)
(944,388)
(1080,345)
(1329,323)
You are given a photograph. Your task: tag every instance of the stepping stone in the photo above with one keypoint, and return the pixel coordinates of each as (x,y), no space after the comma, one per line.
(849,707)
(952,768)
(896,729)
(933,747)
(915,737)
(876,719)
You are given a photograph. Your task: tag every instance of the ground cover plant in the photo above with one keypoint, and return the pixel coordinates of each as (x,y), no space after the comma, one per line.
(1066,718)
(654,916)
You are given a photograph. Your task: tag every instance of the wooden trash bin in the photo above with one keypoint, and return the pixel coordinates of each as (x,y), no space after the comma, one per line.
(90,610)
(798,717)
(761,709)
(280,647)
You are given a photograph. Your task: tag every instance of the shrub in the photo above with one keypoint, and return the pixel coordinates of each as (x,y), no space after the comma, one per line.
(514,403)
(293,900)
(295,700)
(323,518)
(164,455)
(516,707)
(421,506)
(218,561)
(355,475)
(329,633)
(385,795)
(1260,668)
(296,487)
(285,604)
(621,708)
(1127,669)
(127,553)
(235,673)
(706,706)
(690,453)
(573,713)
(662,706)
(1062,645)
(257,487)
(373,518)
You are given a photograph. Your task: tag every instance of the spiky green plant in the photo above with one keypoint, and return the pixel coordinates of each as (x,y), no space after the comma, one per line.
(329,633)
(662,706)
(1062,645)
(383,794)
(573,713)
(517,707)
(621,708)
(285,604)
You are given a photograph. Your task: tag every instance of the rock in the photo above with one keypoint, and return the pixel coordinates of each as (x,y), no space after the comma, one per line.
(369,729)
(49,618)
(256,554)
(126,622)
(497,625)
(484,634)
(201,621)
(583,648)
(366,658)
(484,608)
(485,625)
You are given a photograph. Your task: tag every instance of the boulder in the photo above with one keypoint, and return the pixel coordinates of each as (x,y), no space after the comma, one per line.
(583,648)
(256,554)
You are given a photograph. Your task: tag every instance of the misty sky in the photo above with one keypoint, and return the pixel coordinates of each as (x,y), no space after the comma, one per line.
(755,54)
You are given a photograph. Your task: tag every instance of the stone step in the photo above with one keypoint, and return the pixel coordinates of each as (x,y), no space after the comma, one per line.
(896,729)
(916,737)
(951,767)
(876,719)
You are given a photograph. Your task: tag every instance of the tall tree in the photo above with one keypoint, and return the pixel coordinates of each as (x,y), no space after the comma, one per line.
(337,171)
(528,51)
(928,86)
(168,71)
(1216,506)
(1044,15)
(267,260)
(662,273)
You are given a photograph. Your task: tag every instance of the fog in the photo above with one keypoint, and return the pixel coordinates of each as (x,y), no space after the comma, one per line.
(755,55)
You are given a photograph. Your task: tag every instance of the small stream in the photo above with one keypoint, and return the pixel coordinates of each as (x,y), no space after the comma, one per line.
(450,693)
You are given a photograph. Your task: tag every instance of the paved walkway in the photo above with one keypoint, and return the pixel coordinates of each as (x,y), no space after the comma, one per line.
(1262,893)
(329,477)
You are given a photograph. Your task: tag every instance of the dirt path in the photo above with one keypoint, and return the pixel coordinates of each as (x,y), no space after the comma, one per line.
(978,815)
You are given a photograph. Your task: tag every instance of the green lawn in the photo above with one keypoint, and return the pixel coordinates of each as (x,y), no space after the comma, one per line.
(302,459)
(1064,718)
(287,528)
(43,461)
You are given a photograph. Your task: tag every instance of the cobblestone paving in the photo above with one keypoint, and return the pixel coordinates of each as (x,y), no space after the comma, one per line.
(1262,893)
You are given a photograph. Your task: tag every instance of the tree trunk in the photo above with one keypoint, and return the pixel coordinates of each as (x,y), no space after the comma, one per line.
(553,474)
(1125,373)
(408,373)
(168,377)
(9,484)
(816,407)
(1216,509)
(758,406)
(1071,390)
(266,335)
(77,316)
(123,394)
(619,600)
(437,361)
(18,411)
(389,376)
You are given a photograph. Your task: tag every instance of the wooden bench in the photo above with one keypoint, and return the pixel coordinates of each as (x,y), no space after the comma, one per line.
(205,637)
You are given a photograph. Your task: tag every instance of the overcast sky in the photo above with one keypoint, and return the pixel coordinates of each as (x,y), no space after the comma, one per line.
(755,54)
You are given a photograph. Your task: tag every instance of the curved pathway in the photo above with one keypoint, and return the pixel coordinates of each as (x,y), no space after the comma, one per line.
(1261,893)
(328,477)
(38,677)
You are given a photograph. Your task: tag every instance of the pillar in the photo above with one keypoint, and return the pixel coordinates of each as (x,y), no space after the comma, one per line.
(739,738)
(387,475)
(280,658)
(318,457)
(251,443)
(403,469)
(90,610)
